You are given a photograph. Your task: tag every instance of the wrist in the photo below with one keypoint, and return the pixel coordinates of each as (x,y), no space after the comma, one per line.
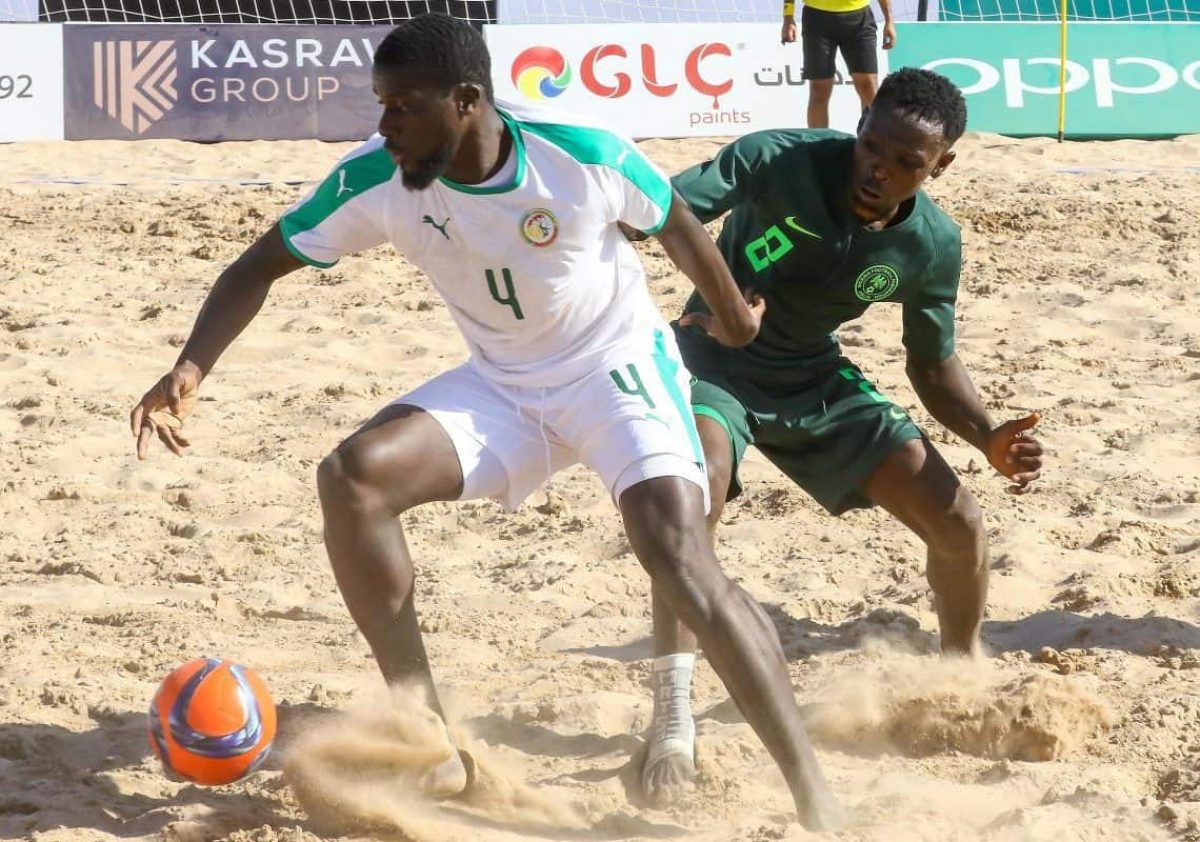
(983,435)
(187,364)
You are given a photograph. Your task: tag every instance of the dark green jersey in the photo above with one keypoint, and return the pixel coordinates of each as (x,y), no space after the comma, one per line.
(791,236)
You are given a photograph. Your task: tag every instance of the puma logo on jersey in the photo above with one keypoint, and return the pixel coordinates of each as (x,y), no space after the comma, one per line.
(342,188)
(442,228)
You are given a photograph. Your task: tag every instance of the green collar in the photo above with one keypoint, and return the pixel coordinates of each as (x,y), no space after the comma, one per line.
(518,149)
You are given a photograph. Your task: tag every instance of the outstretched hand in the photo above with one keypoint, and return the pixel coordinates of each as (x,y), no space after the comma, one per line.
(719,331)
(162,410)
(1015,453)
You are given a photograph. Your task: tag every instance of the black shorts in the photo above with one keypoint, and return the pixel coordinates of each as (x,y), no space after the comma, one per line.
(822,34)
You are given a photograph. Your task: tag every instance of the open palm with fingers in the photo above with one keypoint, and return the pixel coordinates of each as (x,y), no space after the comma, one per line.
(163,408)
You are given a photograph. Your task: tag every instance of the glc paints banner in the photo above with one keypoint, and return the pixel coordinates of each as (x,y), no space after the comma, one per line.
(1123,79)
(665,80)
(228,82)
(31,82)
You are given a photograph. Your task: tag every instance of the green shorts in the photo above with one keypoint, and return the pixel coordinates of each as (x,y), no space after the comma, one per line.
(827,437)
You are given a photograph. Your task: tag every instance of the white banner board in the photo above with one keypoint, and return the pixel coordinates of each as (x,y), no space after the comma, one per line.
(666,80)
(31,81)
(587,12)
(22,10)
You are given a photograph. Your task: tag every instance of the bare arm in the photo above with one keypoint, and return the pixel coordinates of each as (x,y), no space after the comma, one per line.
(231,305)
(788,33)
(236,298)
(733,322)
(946,390)
(889,26)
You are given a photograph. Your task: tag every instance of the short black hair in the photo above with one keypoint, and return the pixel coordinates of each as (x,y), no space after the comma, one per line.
(448,50)
(926,95)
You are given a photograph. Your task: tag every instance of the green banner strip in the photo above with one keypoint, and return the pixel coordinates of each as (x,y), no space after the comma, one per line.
(1123,79)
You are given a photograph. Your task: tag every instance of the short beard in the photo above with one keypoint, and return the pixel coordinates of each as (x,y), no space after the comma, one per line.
(429,170)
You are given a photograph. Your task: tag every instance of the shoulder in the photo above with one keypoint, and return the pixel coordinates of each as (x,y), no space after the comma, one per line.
(368,153)
(790,145)
(941,229)
(585,139)
(366,166)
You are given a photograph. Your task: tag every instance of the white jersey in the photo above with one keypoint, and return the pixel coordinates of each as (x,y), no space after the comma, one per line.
(534,270)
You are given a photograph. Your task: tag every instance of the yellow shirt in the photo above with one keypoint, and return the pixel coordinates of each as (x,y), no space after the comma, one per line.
(837,5)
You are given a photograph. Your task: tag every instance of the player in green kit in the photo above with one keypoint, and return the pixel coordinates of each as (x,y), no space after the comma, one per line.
(823,225)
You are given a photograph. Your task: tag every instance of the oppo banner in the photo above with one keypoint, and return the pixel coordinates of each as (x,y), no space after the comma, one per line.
(231,82)
(31,82)
(665,80)
(1123,79)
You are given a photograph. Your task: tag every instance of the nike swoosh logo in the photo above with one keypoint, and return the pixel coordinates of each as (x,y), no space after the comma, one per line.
(796,226)
(897,412)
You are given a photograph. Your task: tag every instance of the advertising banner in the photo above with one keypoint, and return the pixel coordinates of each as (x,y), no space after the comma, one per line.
(18,10)
(243,11)
(31,82)
(230,82)
(672,11)
(1123,79)
(665,80)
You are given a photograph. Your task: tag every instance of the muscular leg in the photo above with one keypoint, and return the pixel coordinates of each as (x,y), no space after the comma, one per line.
(865,85)
(917,486)
(398,460)
(670,635)
(819,92)
(665,525)
(670,764)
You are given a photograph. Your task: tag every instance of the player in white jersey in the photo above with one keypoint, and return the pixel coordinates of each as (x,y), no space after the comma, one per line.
(513,216)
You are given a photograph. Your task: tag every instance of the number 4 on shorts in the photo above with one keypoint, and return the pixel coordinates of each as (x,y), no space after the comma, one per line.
(638,387)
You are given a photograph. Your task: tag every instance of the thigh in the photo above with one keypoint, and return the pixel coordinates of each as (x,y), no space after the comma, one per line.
(634,412)
(834,436)
(858,41)
(819,43)
(402,458)
(725,435)
(487,425)
(916,485)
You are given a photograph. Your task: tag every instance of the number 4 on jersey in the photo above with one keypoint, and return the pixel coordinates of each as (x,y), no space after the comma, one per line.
(510,295)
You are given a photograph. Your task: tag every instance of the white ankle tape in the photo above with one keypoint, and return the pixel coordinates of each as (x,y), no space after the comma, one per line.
(680,660)
(672,729)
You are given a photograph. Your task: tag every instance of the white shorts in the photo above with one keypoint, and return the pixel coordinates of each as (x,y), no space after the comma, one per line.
(630,421)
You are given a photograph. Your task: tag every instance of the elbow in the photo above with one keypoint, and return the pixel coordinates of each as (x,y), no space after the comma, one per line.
(923,372)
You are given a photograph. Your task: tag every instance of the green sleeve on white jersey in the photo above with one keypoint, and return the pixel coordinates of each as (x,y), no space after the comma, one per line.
(641,192)
(344,213)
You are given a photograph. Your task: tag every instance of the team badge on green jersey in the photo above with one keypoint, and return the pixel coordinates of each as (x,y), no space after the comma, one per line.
(539,227)
(876,283)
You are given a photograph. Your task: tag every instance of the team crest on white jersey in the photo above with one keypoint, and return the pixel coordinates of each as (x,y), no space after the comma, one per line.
(539,227)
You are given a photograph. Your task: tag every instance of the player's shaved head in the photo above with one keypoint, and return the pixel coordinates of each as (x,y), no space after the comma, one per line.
(924,96)
(443,50)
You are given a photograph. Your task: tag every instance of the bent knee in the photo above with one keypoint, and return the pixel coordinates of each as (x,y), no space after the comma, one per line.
(960,532)
(351,475)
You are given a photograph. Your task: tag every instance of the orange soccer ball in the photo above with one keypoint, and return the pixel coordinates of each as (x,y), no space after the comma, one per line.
(212,721)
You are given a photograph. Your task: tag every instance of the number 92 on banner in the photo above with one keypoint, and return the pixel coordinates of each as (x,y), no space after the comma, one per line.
(31,82)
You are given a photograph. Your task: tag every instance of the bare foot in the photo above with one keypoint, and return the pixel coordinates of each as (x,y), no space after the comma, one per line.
(667,772)
(449,778)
